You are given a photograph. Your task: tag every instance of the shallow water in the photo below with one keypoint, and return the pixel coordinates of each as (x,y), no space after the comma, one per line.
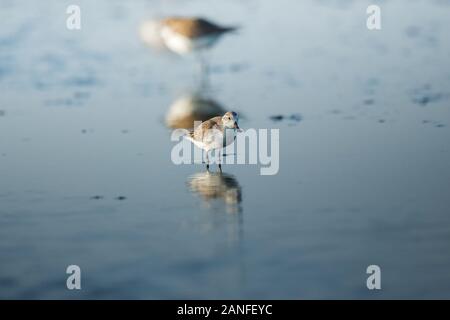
(86,176)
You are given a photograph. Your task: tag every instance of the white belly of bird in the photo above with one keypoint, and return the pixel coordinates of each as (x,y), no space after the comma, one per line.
(182,45)
(215,139)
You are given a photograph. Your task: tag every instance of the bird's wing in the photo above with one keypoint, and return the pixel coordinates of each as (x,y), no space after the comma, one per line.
(194,27)
(201,132)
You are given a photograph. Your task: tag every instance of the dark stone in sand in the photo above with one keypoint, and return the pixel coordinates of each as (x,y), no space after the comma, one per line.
(422,100)
(293,117)
(277,117)
(96,197)
(121,198)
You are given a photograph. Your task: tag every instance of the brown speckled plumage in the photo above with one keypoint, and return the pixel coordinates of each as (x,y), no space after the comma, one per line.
(194,27)
(202,129)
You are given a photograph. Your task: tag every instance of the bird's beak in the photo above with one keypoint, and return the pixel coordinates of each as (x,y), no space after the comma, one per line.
(237,127)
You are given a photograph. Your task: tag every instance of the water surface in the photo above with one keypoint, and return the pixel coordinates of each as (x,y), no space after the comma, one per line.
(86,176)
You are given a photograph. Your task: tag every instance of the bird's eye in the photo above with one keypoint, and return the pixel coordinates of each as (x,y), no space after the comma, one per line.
(229,118)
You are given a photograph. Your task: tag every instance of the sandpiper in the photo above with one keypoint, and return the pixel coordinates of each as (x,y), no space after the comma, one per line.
(215,133)
(183,35)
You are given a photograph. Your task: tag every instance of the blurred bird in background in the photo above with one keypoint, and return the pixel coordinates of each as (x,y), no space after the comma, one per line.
(184,35)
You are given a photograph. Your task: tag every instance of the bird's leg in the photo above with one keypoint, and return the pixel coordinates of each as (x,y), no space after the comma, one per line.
(220,161)
(207,161)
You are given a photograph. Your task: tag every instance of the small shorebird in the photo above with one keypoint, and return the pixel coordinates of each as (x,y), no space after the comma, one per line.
(183,35)
(215,133)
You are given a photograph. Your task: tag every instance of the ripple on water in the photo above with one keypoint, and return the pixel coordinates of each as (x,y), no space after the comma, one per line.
(77,99)
(292,118)
(425,95)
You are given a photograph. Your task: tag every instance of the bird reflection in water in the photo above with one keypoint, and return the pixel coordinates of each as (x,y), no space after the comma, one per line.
(221,193)
(217,188)
(194,107)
